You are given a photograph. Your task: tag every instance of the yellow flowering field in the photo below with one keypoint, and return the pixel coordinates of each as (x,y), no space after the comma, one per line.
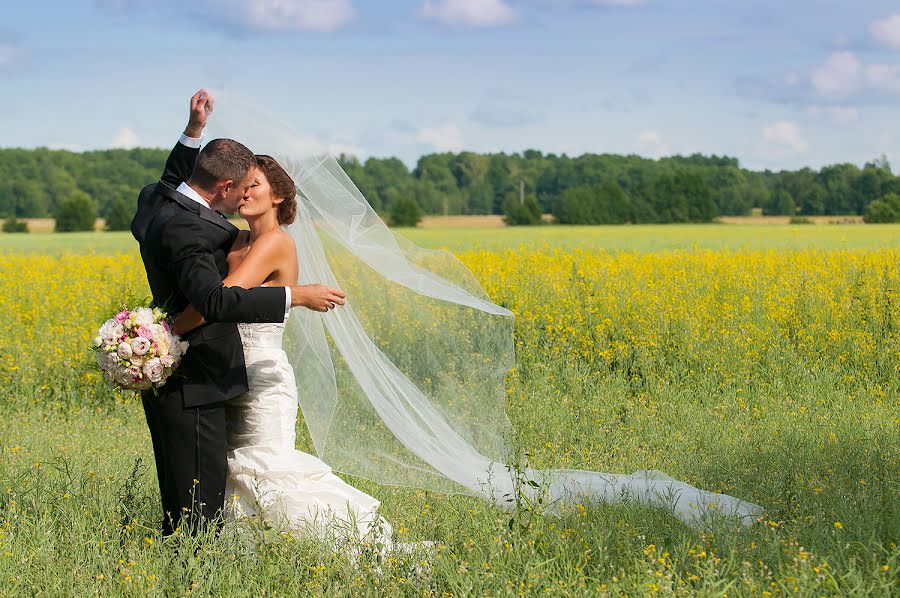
(770,374)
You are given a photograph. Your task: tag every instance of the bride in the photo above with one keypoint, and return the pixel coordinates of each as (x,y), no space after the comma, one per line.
(267,476)
(403,385)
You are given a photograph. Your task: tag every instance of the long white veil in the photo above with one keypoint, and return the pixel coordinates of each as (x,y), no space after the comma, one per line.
(405,384)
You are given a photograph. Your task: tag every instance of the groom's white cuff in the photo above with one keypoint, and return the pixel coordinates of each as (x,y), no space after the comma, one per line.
(193,142)
(287,300)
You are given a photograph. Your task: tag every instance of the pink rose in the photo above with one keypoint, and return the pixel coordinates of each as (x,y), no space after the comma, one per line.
(122,316)
(144,332)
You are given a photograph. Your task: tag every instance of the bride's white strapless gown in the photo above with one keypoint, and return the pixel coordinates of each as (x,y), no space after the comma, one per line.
(267,475)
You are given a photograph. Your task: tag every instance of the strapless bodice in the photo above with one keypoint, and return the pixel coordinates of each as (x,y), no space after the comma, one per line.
(263,335)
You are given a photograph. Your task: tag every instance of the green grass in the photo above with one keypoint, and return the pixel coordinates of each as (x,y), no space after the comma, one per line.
(772,412)
(611,238)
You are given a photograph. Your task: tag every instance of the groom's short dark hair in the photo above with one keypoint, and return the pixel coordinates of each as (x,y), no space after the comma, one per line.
(220,160)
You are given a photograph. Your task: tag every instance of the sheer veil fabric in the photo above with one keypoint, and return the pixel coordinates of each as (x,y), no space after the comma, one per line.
(405,384)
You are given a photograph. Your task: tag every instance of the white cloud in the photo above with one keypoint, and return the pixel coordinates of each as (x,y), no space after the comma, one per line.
(125,139)
(444,138)
(248,15)
(652,144)
(784,135)
(840,75)
(595,2)
(469,13)
(839,115)
(883,77)
(295,15)
(887,31)
(843,75)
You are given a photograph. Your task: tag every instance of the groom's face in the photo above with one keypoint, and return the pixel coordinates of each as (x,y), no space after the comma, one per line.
(232,196)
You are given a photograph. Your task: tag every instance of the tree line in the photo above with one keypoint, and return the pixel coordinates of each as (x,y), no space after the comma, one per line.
(588,189)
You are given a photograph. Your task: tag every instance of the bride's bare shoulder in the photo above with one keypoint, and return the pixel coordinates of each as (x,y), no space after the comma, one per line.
(278,240)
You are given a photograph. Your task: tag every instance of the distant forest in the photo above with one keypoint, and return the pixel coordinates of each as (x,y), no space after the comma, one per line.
(590,188)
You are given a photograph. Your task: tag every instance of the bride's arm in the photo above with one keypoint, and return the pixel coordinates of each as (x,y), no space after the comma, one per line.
(263,260)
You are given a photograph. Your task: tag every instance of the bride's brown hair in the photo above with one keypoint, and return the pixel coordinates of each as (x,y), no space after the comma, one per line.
(282,186)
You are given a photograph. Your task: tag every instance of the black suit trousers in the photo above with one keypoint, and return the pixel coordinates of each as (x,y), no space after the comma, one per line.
(189,446)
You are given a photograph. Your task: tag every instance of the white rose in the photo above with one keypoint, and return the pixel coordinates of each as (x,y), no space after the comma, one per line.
(142,316)
(124,351)
(140,346)
(137,360)
(98,341)
(111,331)
(153,369)
(167,361)
(112,360)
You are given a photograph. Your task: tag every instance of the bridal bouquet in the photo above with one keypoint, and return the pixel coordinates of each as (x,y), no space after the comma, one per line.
(137,350)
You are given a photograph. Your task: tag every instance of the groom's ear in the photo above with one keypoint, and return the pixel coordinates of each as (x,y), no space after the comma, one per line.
(223,187)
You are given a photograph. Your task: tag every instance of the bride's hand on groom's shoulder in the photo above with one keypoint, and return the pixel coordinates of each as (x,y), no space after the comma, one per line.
(317,297)
(201,107)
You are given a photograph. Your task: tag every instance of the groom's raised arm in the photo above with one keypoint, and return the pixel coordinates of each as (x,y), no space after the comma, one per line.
(180,163)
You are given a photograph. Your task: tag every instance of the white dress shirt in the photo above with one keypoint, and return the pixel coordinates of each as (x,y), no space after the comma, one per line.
(189,192)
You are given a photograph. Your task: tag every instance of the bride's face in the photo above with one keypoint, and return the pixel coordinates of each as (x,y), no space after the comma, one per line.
(259,199)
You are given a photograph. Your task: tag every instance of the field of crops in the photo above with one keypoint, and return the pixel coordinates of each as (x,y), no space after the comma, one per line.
(758,361)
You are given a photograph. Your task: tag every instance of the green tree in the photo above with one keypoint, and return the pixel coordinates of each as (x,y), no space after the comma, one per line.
(76,213)
(516,213)
(119,215)
(405,212)
(886,209)
(14,225)
(780,203)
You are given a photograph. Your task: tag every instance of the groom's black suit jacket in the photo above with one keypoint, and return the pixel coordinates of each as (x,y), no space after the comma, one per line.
(184,247)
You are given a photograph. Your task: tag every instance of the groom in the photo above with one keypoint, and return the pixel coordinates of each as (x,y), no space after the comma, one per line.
(184,241)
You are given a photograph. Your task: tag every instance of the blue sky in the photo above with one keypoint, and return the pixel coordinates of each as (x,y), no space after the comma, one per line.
(778,84)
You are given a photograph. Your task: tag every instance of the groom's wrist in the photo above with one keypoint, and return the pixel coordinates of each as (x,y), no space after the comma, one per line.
(297,296)
(189,140)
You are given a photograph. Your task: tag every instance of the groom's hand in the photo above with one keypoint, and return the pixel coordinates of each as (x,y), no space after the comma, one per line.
(201,107)
(316,297)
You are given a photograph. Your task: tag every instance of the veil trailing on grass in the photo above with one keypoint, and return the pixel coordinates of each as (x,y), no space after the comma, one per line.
(405,384)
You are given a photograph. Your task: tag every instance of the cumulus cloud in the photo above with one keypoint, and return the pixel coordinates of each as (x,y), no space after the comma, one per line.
(840,79)
(443,138)
(784,135)
(887,31)
(839,75)
(289,15)
(652,144)
(250,15)
(126,139)
(468,13)
(595,2)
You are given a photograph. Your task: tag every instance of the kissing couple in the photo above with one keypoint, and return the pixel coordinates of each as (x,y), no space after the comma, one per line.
(401,383)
